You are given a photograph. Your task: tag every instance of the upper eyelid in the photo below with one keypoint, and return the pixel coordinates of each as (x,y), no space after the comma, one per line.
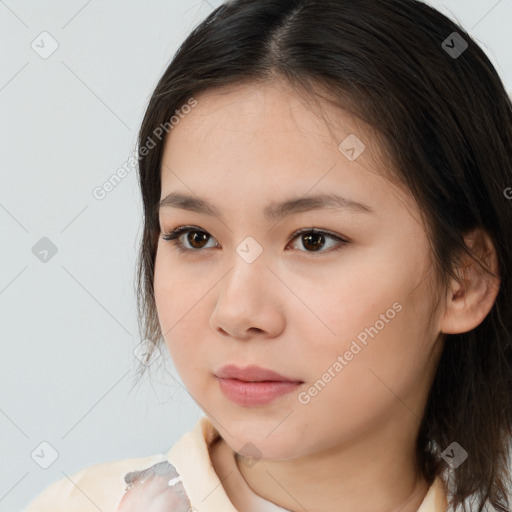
(182,230)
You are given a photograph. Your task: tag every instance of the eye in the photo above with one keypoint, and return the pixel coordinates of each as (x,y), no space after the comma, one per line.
(197,240)
(311,239)
(315,239)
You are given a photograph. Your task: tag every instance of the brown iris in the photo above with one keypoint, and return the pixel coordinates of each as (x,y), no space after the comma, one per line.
(314,240)
(196,237)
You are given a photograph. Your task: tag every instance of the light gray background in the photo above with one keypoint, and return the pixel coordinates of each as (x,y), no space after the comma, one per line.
(68,326)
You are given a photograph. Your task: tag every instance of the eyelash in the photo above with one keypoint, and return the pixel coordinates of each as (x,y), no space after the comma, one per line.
(174,235)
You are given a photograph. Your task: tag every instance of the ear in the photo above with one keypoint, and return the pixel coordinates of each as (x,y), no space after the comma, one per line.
(468,303)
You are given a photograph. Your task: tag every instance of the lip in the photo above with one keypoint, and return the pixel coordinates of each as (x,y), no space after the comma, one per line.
(253,385)
(251,373)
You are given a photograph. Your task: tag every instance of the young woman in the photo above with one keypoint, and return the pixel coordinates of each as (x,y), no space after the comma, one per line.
(326,256)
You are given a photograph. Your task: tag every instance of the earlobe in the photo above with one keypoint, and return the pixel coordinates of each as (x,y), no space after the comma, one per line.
(470,299)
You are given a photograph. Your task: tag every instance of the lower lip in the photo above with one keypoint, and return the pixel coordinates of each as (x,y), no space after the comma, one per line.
(255,393)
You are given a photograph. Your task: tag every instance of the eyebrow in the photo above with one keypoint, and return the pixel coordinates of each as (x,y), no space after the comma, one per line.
(276,210)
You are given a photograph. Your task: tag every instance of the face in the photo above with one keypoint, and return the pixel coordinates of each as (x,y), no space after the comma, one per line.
(342,311)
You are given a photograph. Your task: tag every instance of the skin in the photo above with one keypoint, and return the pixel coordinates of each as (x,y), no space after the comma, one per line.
(294,310)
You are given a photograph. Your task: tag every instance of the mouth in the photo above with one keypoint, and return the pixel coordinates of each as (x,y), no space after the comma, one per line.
(253,385)
(252,373)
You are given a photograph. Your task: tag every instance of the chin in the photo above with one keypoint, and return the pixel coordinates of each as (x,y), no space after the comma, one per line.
(254,441)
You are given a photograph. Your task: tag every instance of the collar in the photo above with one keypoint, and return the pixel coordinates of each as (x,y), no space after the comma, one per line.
(205,489)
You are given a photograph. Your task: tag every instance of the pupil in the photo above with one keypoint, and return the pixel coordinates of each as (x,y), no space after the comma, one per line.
(306,239)
(192,235)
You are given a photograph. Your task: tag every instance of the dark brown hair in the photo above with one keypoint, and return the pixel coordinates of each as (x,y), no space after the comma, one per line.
(445,120)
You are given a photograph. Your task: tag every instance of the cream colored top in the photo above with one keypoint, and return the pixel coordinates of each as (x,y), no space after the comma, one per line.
(183,480)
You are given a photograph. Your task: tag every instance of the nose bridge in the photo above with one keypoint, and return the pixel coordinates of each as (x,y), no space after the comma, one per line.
(246,297)
(245,290)
(249,266)
(250,250)
(245,302)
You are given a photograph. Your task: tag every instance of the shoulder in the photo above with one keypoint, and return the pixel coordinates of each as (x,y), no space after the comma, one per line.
(96,487)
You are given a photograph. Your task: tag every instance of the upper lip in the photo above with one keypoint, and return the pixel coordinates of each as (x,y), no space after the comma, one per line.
(251,373)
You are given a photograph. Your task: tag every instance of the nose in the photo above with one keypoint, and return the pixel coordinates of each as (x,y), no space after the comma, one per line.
(249,301)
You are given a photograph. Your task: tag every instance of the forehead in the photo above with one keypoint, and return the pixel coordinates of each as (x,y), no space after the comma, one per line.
(269,139)
(272,107)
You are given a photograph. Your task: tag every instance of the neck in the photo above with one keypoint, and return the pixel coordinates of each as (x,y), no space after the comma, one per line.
(363,477)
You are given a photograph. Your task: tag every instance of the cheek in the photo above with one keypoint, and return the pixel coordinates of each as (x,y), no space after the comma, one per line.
(176,293)
(370,383)
(382,358)
(362,305)
(377,328)
(179,300)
